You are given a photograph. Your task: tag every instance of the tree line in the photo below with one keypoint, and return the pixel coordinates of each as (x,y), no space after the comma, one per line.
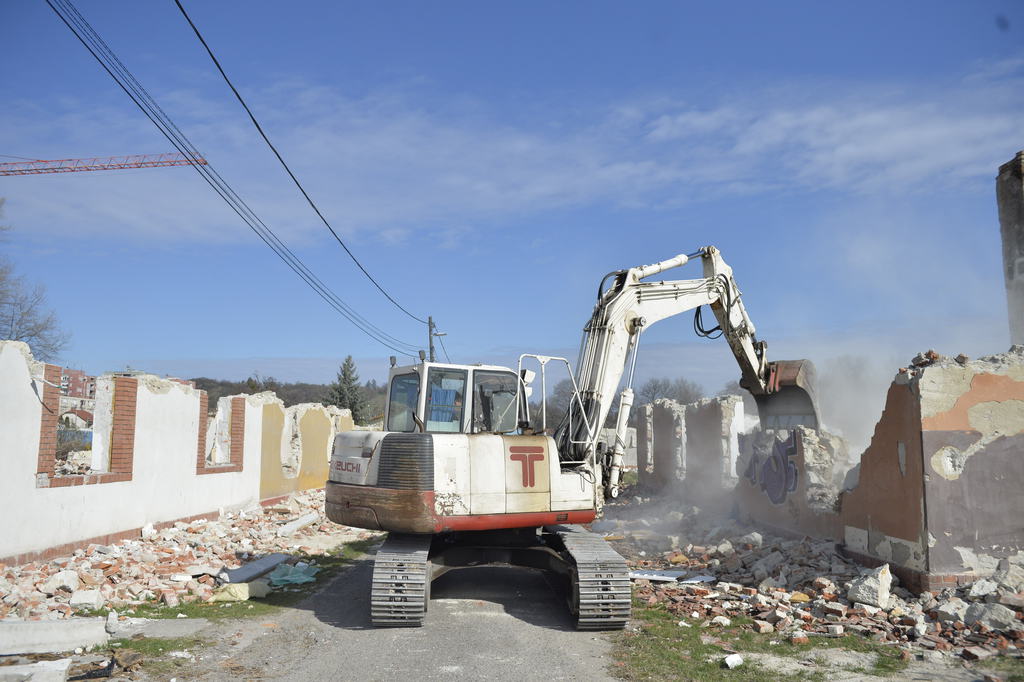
(365,400)
(680,389)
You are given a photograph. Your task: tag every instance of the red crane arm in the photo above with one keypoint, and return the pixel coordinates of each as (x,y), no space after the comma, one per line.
(100,163)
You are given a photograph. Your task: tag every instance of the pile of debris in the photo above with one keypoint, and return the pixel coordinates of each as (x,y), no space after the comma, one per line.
(180,564)
(74,463)
(709,573)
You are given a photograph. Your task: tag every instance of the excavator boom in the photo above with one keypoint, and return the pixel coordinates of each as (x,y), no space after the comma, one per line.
(783,390)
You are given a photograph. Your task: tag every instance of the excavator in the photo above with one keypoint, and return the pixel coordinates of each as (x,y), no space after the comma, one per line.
(461,476)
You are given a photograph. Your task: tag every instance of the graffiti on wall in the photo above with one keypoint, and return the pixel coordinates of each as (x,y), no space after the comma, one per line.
(776,474)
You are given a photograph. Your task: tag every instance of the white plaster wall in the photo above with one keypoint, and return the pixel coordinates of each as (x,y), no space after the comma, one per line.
(20,412)
(164,486)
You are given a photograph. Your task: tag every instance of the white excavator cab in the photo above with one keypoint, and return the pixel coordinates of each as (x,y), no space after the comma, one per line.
(434,397)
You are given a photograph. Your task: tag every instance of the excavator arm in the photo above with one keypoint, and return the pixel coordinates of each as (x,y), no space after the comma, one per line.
(783,390)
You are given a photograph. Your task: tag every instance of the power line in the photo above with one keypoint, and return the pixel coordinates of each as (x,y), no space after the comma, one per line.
(142,99)
(444,349)
(11,156)
(163,122)
(270,144)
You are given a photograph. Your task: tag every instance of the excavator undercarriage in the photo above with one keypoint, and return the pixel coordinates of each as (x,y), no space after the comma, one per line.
(594,577)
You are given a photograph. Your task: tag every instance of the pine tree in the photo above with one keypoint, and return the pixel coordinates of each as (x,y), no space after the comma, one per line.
(346,392)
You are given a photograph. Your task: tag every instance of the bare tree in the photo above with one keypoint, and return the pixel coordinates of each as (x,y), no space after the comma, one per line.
(24,315)
(733,388)
(680,389)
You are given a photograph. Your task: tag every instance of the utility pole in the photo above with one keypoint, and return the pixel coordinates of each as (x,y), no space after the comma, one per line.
(430,332)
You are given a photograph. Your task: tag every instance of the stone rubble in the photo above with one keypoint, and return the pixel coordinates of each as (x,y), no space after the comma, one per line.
(174,565)
(800,589)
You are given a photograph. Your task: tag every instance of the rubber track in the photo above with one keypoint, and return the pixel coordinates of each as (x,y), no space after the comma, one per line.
(605,598)
(398,597)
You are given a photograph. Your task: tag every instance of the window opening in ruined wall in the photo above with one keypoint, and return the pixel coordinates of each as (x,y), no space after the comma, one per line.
(77,406)
(77,448)
(221,449)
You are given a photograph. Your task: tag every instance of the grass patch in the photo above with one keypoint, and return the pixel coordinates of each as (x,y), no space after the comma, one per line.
(330,565)
(887,658)
(153,650)
(156,646)
(1012,669)
(662,650)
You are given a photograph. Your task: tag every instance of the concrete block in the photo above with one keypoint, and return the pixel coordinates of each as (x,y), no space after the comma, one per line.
(89,599)
(68,580)
(50,636)
(873,588)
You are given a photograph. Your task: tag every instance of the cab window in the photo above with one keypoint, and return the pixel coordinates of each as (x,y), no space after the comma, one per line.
(404,391)
(494,402)
(446,391)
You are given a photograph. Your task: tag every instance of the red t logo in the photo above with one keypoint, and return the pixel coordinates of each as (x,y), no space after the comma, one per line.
(527,456)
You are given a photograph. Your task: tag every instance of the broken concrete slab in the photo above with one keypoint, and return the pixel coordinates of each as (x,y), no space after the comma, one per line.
(253,569)
(163,628)
(50,636)
(292,526)
(41,671)
(995,616)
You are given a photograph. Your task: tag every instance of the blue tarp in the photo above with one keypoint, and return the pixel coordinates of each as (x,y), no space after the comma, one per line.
(442,404)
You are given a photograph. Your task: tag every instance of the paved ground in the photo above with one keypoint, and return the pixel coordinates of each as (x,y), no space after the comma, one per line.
(483,623)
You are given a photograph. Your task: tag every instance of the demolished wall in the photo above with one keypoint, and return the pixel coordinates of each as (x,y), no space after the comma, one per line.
(155,458)
(973,450)
(692,447)
(937,494)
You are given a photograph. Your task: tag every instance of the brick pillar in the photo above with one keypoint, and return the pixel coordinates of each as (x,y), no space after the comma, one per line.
(204,405)
(237,430)
(1010,198)
(122,435)
(48,423)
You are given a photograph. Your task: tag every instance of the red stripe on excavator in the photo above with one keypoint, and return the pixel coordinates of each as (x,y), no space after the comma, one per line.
(522,520)
(526,449)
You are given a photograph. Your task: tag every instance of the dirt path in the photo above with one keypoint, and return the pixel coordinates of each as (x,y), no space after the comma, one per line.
(489,623)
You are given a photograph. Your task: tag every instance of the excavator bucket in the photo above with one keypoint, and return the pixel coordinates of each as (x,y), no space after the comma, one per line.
(792,397)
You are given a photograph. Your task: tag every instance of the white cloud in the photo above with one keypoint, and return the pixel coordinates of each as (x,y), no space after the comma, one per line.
(397,165)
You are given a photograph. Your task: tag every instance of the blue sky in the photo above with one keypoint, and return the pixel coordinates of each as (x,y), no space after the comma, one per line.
(490,162)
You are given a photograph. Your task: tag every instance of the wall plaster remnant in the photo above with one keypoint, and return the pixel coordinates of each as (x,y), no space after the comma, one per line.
(291,457)
(936,493)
